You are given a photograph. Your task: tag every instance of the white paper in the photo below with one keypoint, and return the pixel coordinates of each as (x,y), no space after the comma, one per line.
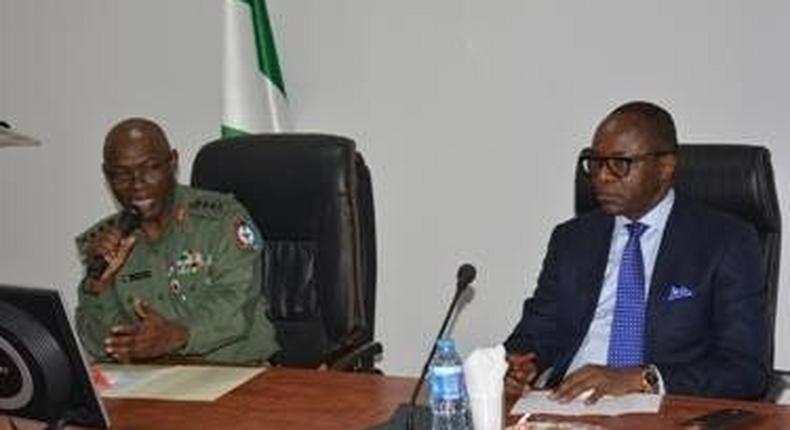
(538,402)
(184,383)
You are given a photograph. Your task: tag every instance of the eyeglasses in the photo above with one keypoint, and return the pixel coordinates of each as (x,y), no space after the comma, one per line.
(619,166)
(149,172)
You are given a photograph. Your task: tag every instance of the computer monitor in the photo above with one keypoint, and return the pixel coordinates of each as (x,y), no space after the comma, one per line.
(43,372)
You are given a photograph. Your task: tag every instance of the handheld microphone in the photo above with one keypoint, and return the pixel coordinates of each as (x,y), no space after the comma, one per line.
(466,274)
(129,220)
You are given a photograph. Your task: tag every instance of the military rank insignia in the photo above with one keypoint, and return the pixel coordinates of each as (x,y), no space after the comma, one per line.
(247,235)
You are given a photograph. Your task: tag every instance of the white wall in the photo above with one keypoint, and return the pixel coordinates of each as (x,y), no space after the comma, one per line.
(469,112)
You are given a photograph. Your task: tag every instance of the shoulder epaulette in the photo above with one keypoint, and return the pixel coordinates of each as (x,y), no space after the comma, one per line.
(90,233)
(210,205)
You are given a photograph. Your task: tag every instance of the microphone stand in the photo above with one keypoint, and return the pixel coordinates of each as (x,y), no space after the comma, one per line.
(466,274)
(416,392)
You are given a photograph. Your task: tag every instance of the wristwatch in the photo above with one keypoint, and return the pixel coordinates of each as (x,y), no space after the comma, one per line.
(649,379)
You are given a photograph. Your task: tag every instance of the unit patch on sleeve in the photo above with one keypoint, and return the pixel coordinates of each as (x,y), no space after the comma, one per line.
(247,235)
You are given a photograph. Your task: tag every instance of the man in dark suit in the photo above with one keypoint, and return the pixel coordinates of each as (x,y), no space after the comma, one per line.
(651,292)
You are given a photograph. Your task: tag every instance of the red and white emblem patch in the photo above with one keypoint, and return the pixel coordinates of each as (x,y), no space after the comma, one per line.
(247,236)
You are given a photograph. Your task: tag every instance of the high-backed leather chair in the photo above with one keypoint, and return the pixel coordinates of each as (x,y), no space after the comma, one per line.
(311,197)
(737,179)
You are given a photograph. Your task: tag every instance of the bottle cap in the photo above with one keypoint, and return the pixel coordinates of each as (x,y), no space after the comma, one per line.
(445,343)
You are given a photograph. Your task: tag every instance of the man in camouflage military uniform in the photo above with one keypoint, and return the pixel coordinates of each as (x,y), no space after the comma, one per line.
(187,282)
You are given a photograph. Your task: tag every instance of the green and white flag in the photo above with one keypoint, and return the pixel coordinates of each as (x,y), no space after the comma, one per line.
(253,96)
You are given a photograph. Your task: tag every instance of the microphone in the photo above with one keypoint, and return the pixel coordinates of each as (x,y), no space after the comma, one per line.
(128,221)
(409,416)
(466,274)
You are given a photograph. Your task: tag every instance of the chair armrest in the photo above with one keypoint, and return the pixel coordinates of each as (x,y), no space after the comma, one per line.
(353,357)
(777,384)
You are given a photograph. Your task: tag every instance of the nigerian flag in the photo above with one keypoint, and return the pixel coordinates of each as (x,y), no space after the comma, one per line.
(253,96)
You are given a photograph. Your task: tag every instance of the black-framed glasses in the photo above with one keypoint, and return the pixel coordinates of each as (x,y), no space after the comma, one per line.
(151,171)
(618,166)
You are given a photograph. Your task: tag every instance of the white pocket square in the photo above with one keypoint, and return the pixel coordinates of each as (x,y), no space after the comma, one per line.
(679,292)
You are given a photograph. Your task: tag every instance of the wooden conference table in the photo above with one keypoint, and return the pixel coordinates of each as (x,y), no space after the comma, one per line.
(308,399)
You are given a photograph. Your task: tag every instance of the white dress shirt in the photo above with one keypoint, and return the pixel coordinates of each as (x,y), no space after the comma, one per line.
(595,346)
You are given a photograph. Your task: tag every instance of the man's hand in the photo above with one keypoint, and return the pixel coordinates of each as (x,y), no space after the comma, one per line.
(115,249)
(152,336)
(600,381)
(522,370)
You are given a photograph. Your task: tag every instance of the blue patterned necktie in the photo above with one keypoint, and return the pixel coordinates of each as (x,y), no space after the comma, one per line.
(628,325)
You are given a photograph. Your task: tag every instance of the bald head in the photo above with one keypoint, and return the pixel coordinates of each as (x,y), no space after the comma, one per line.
(141,169)
(647,120)
(138,132)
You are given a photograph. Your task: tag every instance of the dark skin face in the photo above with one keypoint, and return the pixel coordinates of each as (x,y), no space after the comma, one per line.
(140,168)
(649,178)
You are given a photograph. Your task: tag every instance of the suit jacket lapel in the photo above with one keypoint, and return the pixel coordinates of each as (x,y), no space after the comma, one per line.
(593,256)
(666,260)
(596,257)
(600,240)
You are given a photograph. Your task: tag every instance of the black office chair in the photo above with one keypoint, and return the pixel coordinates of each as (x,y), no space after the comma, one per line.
(310,194)
(737,179)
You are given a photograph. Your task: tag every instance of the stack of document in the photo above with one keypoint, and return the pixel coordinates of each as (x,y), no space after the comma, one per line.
(184,383)
(538,402)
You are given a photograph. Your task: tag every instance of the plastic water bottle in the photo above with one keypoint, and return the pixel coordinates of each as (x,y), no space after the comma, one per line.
(449,399)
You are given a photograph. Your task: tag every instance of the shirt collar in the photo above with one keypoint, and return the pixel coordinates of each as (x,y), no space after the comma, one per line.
(656,218)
